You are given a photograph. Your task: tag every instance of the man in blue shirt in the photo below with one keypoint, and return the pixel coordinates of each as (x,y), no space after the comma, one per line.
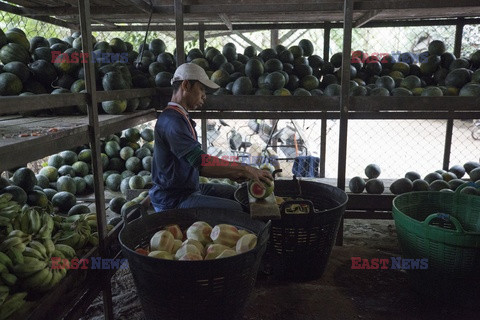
(178,159)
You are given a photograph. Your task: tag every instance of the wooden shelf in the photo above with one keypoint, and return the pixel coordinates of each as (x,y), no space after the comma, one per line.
(27,139)
(238,13)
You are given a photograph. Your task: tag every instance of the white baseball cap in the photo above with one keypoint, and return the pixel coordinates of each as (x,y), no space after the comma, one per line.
(191,71)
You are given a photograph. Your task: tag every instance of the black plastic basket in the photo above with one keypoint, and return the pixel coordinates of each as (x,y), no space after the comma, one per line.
(300,244)
(213,289)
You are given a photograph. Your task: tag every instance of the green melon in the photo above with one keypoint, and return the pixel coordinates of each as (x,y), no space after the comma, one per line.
(10,84)
(124,185)
(126,152)
(116,164)
(113,181)
(132,135)
(411,82)
(447,176)
(372,171)
(458,170)
(455,183)
(19,195)
(85,155)
(470,165)
(432,177)
(81,168)
(66,183)
(133,164)
(136,182)
(49,192)
(402,185)
(147,134)
(25,179)
(259,192)
(64,201)
(66,170)
(420,185)
(142,153)
(474,174)
(78,209)
(116,204)
(470,190)
(412,175)
(105,160)
(127,173)
(438,185)
(56,161)
(70,157)
(112,149)
(127,207)
(374,186)
(80,184)
(42,181)
(356,184)
(114,106)
(89,181)
(37,198)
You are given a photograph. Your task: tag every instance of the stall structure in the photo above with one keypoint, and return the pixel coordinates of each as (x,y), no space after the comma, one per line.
(19,145)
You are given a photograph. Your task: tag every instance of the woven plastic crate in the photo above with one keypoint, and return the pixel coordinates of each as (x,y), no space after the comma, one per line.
(213,289)
(300,244)
(444,228)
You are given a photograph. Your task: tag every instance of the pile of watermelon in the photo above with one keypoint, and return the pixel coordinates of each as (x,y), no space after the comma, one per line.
(54,66)
(439,180)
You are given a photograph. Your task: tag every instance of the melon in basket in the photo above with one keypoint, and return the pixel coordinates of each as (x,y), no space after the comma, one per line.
(225,234)
(200,231)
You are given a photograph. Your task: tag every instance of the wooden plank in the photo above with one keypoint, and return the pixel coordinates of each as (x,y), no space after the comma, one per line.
(72,131)
(28,13)
(365,18)
(129,93)
(264,209)
(17,104)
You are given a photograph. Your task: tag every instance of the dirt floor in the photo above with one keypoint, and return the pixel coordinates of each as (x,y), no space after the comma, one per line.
(341,293)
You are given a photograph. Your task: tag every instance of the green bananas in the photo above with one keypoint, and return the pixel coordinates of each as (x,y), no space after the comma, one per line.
(12,304)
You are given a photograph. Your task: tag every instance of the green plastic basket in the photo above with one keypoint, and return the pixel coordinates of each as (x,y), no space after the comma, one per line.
(443,227)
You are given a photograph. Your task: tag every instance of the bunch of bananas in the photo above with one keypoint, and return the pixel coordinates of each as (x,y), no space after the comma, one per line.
(36,272)
(77,230)
(73,231)
(8,212)
(34,221)
(9,303)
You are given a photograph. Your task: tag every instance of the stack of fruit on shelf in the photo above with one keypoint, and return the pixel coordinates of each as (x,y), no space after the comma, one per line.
(199,242)
(126,164)
(298,71)
(54,66)
(440,180)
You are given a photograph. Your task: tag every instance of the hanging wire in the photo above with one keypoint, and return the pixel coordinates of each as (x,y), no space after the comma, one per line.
(140,56)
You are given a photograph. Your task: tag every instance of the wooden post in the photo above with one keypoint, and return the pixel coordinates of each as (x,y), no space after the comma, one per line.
(457,50)
(344,102)
(179,32)
(94,137)
(273,38)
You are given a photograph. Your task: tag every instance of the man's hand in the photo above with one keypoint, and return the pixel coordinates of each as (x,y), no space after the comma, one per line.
(257,175)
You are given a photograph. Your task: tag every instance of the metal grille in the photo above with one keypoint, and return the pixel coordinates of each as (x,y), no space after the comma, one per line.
(32,27)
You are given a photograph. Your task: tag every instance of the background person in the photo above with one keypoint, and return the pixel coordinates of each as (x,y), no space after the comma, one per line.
(178,157)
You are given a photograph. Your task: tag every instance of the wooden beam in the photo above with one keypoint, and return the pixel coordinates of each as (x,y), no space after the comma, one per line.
(286,36)
(226,20)
(366,17)
(29,13)
(179,32)
(247,40)
(142,5)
